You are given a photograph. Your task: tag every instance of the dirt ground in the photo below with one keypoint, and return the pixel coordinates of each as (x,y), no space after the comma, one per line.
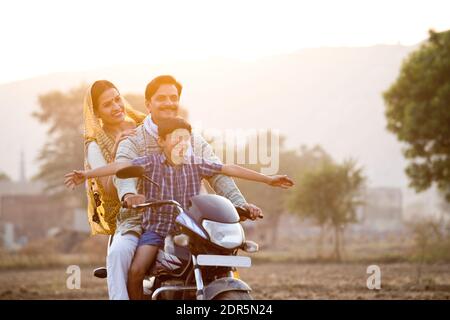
(268,281)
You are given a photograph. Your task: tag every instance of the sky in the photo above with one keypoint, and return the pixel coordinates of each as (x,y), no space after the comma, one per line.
(46,36)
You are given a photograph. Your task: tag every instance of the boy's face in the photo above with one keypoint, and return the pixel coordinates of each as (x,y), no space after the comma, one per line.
(176,145)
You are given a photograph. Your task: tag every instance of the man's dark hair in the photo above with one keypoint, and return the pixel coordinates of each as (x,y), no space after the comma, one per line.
(167,126)
(154,85)
(97,89)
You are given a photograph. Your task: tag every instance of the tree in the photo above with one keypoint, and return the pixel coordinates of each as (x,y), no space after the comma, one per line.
(418,112)
(137,101)
(273,201)
(329,195)
(4,177)
(63,150)
(431,242)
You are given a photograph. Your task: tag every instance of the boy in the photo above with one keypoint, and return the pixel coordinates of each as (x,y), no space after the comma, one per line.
(179,176)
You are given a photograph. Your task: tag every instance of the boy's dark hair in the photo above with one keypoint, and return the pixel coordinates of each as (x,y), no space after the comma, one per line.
(167,126)
(154,85)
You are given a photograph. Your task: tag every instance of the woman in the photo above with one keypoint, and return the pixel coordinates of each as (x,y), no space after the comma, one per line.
(108,120)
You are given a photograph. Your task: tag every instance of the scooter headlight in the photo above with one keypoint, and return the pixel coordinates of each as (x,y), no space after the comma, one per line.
(227,235)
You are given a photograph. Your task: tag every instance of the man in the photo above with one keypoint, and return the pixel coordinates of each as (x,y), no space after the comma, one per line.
(162,97)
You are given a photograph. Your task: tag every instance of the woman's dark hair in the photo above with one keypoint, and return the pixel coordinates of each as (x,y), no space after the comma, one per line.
(167,126)
(97,89)
(154,85)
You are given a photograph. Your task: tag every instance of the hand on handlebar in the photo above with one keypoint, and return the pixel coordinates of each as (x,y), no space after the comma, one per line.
(131,199)
(254,211)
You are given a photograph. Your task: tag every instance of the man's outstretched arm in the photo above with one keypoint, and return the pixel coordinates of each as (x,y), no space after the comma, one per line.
(223,185)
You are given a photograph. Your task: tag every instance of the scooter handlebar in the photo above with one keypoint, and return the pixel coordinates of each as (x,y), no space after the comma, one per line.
(155,203)
(243,212)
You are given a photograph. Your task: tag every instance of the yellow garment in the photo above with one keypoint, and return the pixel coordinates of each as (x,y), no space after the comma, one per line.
(102,208)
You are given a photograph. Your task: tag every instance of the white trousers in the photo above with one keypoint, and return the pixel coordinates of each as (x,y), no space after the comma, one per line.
(118,262)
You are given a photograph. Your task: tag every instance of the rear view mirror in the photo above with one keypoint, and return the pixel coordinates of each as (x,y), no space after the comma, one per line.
(130,172)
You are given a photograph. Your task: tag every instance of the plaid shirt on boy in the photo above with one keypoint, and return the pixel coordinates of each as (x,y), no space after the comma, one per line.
(178,183)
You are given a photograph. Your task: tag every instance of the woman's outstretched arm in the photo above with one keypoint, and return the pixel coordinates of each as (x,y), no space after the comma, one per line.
(99,169)
(77,177)
(95,159)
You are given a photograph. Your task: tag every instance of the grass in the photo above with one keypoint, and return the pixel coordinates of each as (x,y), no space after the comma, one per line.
(299,251)
(17,261)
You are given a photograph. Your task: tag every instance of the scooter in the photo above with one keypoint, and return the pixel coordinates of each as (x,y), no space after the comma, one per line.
(200,260)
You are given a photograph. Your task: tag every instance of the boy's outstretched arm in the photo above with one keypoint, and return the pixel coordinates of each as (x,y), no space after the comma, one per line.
(233,170)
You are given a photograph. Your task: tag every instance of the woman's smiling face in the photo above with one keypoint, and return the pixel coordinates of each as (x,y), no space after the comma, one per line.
(110,107)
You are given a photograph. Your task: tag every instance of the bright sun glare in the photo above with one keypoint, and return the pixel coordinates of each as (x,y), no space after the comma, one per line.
(45,36)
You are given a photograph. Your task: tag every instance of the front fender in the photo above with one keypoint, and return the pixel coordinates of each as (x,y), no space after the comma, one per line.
(224,284)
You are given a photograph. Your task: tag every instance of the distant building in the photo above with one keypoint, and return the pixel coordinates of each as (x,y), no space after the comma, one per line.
(8,236)
(29,217)
(382,209)
(429,203)
(27,213)
(8,188)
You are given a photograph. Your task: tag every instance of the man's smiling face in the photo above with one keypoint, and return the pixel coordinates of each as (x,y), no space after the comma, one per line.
(164,103)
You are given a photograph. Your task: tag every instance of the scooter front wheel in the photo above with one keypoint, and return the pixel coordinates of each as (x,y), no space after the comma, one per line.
(233,295)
